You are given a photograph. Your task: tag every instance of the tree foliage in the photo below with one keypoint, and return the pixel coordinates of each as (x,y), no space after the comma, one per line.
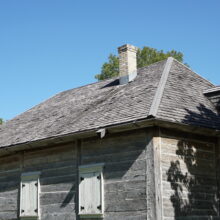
(109,69)
(1,121)
(145,57)
(148,55)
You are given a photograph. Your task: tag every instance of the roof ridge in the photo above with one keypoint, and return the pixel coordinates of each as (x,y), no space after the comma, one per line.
(160,88)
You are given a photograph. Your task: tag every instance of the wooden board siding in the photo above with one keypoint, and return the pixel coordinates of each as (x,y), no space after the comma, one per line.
(188,179)
(9,186)
(148,174)
(58,182)
(58,167)
(124,173)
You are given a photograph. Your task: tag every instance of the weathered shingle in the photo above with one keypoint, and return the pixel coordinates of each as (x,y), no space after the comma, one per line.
(97,105)
(183,99)
(108,103)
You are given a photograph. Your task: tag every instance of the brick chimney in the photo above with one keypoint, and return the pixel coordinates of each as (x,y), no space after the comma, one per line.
(127,63)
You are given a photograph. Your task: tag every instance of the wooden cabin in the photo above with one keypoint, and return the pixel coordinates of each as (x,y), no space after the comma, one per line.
(144,146)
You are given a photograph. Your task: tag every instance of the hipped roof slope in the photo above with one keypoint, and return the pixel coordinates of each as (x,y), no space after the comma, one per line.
(165,90)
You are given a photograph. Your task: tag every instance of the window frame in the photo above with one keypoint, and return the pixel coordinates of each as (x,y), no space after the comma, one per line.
(86,169)
(25,177)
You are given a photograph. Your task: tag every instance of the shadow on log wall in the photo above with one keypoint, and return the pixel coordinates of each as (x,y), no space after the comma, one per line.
(193,176)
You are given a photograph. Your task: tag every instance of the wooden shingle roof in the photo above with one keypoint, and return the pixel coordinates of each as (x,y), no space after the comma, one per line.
(165,90)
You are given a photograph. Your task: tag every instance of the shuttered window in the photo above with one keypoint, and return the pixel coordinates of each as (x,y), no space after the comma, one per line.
(29,195)
(91,191)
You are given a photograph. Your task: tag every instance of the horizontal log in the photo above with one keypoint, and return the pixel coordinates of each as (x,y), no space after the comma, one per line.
(62,198)
(125,186)
(125,195)
(59,171)
(58,179)
(9,185)
(115,146)
(58,208)
(42,166)
(116,176)
(59,216)
(8,215)
(126,215)
(196,188)
(9,200)
(49,156)
(59,187)
(185,211)
(114,157)
(116,205)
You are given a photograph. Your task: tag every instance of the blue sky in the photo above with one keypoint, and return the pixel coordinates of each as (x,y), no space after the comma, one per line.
(47,46)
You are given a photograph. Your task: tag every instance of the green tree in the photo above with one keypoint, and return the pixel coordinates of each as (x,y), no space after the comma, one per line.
(1,121)
(109,69)
(145,57)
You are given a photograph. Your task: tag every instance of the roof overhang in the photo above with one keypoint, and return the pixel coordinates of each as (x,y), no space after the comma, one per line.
(133,125)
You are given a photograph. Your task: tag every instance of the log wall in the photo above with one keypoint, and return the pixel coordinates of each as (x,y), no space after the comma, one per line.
(124,173)
(124,177)
(151,174)
(189,183)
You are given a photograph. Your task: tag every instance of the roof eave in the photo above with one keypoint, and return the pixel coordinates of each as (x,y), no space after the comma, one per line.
(132,125)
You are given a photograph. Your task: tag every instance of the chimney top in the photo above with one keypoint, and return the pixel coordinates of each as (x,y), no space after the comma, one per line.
(126,47)
(127,63)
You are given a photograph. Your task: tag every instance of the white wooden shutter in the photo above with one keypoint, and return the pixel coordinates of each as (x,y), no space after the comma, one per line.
(29,201)
(91,191)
